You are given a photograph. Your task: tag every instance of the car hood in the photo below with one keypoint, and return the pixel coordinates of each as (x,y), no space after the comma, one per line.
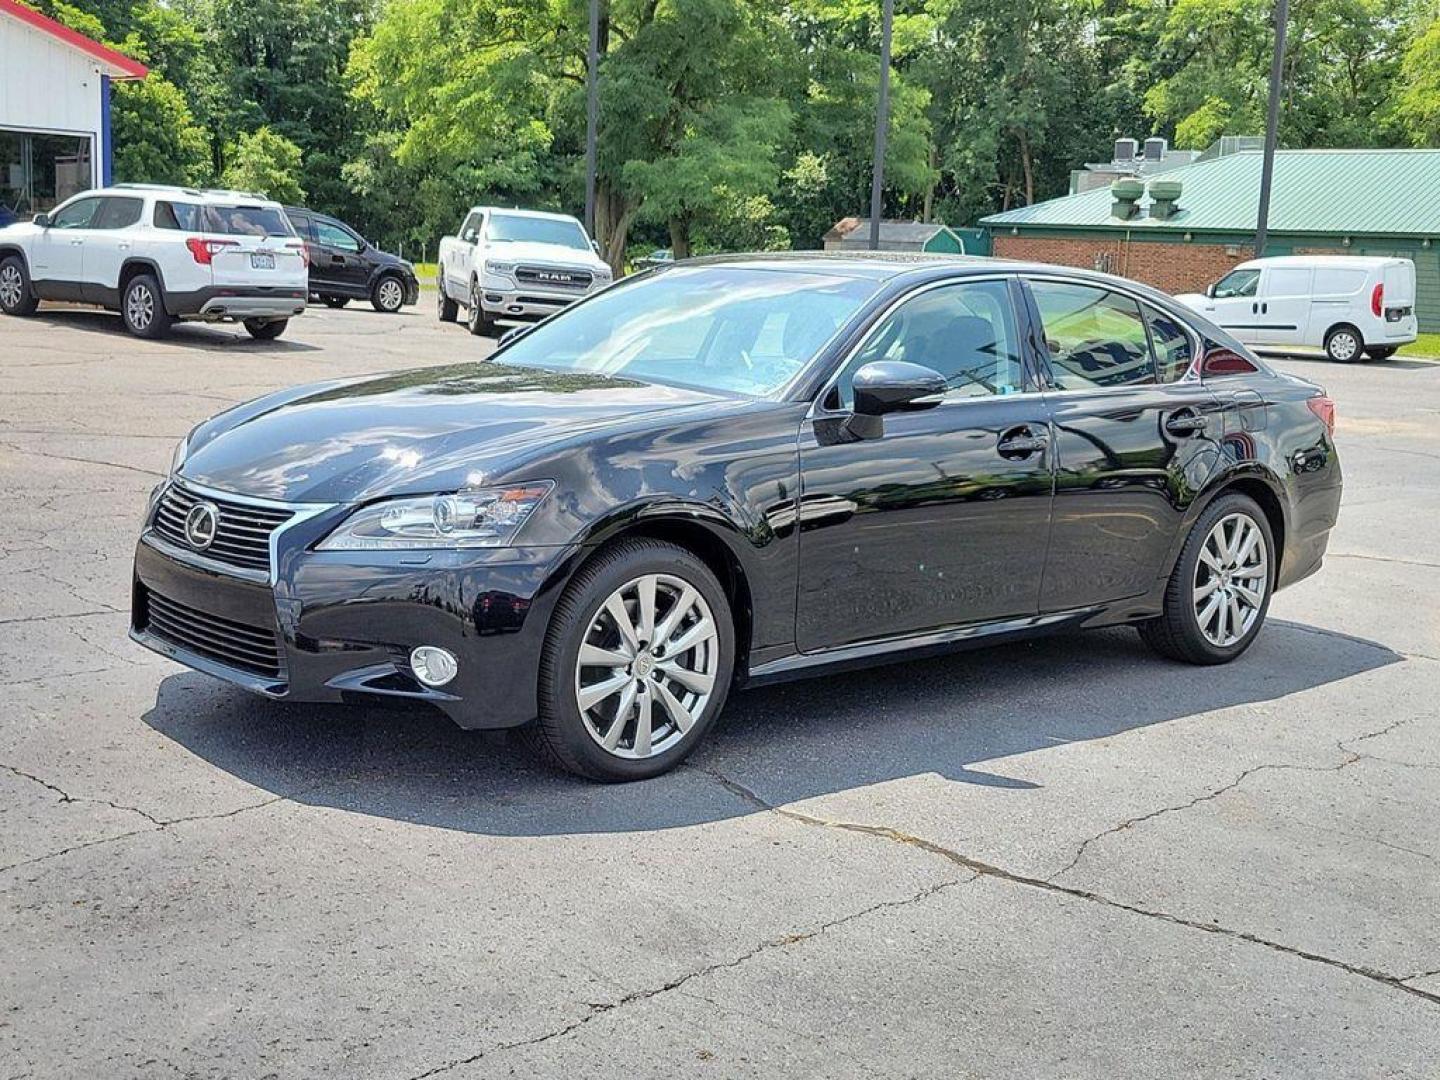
(416,432)
(554,254)
(1192,300)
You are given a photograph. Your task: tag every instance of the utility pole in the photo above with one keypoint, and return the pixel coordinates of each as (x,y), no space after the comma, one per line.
(882,123)
(592,114)
(1272,125)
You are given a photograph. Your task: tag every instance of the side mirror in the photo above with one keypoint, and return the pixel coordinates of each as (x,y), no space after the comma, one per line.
(595,246)
(469,236)
(887,386)
(42,220)
(1210,290)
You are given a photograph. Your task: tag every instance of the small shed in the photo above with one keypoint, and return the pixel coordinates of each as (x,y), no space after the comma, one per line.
(853,234)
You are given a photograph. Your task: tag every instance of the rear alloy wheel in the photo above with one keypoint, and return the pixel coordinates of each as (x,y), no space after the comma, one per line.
(1376,352)
(1219,591)
(266,330)
(475,317)
(447,309)
(1344,344)
(388,295)
(637,663)
(143,308)
(15,295)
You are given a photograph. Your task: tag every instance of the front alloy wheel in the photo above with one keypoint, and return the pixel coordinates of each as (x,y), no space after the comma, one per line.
(389,295)
(15,298)
(647,666)
(636,664)
(475,318)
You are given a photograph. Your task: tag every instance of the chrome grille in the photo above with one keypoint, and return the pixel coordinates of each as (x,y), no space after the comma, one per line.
(253,649)
(242,534)
(554,276)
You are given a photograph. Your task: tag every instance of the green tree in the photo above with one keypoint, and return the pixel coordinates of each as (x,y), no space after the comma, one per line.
(265,162)
(157,141)
(1417,89)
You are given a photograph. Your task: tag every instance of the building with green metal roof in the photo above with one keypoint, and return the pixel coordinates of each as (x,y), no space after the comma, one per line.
(1356,202)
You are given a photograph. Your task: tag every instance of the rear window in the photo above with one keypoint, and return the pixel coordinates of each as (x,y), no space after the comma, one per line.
(224,220)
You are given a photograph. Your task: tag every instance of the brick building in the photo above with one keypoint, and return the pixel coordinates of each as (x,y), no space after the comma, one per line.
(1355,202)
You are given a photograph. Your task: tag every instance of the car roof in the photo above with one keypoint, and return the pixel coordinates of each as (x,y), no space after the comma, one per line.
(524,213)
(1357,261)
(208,196)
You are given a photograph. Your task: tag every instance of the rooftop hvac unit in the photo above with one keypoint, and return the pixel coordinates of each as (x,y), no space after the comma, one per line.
(1156,149)
(1126,149)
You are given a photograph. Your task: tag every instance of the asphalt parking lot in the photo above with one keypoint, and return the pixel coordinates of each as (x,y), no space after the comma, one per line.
(1060,859)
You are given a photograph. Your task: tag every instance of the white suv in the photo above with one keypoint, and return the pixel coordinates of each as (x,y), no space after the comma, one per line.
(158,254)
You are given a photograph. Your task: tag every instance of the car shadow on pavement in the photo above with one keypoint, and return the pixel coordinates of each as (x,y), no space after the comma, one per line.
(949,716)
(186,335)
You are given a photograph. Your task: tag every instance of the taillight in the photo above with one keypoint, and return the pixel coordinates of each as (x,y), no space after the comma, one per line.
(1324,408)
(303,250)
(204,251)
(1377,300)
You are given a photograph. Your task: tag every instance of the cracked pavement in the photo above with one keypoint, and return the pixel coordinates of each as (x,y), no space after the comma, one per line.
(1059,858)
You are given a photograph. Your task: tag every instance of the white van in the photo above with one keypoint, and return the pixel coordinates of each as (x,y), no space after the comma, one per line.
(1344,304)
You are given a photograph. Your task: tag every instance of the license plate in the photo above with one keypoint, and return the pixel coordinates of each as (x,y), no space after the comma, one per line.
(262,262)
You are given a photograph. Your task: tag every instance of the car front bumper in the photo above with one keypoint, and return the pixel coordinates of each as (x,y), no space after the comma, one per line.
(526,304)
(340,626)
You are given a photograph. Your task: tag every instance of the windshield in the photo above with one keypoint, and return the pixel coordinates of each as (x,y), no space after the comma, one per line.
(536,230)
(731,329)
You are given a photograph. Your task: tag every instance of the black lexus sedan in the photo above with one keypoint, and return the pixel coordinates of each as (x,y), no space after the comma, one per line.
(738,470)
(344,266)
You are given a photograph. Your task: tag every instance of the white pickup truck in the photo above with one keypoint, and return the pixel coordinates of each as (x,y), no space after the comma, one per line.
(515,266)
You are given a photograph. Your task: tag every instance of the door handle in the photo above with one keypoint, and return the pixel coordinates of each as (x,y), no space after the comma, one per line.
(338,260)
(1186,422)
(1254,309)
(122,246)
(76,243)
(1021,442)
(1265,309)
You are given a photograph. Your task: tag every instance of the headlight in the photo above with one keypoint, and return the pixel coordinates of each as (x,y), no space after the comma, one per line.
(478,518)
(182,451)
(499,267)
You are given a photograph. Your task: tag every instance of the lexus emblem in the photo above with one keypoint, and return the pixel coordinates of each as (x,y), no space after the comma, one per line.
(200,525)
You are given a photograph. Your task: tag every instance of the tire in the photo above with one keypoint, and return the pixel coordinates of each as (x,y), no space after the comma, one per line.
(1178,632)
(388,295)
(266,329)
(475,318)
(1343,344)
(447,309)
(142,306)
(16,296)
(336,302)
(574,739)
(1380,353)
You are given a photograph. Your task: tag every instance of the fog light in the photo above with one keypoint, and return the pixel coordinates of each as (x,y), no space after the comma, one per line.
(433,665)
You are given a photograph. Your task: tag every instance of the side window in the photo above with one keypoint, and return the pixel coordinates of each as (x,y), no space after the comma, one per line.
(117,213)
(1174,348)
(966,332)
(1095,337)
(304,226)
(335,237)
(78,215)
(183,217)
(1237,283)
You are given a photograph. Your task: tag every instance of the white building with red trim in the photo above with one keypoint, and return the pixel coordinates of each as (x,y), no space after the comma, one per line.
(54,110)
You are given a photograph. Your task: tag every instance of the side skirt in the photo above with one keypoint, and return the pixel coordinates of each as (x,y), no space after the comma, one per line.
(916,646)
